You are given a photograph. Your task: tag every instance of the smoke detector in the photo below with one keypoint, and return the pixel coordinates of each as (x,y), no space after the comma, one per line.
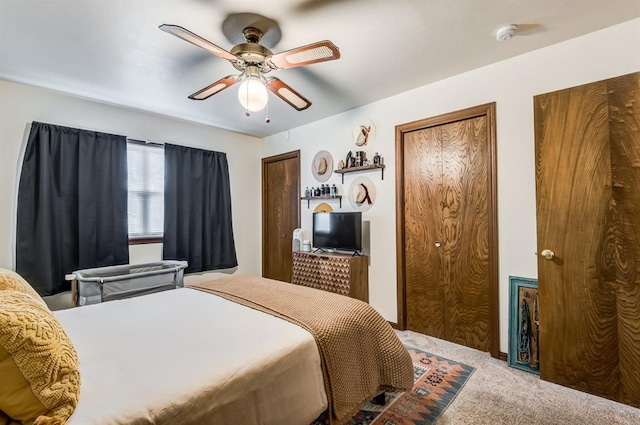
(506,32)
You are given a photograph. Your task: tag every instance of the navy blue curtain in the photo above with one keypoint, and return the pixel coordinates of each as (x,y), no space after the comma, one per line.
(197,209)
(72,205)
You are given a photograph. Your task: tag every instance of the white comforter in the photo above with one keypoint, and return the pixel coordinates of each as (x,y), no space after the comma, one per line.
(189,357)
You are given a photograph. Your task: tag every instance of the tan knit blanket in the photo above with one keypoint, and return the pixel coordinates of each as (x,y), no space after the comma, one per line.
(360,353)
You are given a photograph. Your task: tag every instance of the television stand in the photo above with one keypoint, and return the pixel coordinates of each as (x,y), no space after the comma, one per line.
(345,274)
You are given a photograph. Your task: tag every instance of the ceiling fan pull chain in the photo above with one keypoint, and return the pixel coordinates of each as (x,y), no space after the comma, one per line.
(247,112)
(267,119)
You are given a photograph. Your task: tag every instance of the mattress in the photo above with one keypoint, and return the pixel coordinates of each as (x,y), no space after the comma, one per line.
(189,357)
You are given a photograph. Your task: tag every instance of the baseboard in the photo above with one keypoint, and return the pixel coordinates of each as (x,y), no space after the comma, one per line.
(502,356)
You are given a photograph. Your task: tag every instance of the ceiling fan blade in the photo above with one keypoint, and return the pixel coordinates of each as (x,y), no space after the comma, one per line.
(305,55)
(196,40)
(215,88)
(287,94)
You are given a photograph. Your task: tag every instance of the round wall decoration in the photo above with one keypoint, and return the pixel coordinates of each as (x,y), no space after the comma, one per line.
(322,166)
(323,208)
(362,194)
(364,135)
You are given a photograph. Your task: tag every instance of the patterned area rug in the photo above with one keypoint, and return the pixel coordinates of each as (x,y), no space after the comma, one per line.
(437,383)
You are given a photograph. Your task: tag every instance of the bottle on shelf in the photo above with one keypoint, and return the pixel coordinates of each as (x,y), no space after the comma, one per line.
(307,193)
(334,190)
(376,159)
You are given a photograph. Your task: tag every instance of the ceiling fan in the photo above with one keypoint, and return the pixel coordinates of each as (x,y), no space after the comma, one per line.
(254,60)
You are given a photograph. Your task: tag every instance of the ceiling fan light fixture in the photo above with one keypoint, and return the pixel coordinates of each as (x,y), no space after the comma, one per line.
(252,94)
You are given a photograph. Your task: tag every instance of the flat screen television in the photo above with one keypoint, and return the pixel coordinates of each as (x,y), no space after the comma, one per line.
(338,230)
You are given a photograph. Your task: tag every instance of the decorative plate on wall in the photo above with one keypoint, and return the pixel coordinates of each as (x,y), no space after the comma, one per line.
(322,166)
(362,194)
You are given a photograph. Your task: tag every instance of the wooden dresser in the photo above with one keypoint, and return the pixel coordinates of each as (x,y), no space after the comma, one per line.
(340,273)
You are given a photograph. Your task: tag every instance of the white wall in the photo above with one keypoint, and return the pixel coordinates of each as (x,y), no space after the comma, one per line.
(21,104)
(511,84)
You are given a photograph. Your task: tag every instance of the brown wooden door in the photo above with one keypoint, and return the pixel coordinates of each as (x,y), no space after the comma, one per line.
(588,207)
(447,248)
(424,276)
(280,213)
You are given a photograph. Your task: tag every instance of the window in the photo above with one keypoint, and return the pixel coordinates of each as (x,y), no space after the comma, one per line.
(146,191)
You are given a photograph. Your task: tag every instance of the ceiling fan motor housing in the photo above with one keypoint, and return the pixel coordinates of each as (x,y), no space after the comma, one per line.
(251,54)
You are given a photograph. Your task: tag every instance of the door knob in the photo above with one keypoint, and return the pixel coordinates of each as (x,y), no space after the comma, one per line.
(284,234)
(438,244)
(548,254)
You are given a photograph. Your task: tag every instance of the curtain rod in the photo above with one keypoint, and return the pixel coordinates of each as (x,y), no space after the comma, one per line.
(145,142)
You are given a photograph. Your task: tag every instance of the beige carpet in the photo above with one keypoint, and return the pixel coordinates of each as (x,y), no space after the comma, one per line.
(499,394)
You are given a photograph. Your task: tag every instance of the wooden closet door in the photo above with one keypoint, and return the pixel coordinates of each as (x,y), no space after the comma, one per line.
(588,205)
(425,286)
(450,280)
(465,232)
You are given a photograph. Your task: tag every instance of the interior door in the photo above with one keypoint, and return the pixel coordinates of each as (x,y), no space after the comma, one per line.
(588,207)
(447,246)
(424,280)
(280,213)
(465,237)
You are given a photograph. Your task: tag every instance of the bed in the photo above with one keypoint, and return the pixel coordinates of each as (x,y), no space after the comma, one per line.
(206,355)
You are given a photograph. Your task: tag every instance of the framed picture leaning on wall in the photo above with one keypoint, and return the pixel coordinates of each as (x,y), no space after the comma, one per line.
(523,324)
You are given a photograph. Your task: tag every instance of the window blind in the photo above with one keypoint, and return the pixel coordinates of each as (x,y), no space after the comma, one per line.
(146,190)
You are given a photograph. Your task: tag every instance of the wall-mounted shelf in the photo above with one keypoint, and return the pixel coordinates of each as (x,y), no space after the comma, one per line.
(363,168)
(321,198)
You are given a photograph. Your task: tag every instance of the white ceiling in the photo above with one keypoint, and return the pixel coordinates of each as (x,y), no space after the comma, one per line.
(112,50)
